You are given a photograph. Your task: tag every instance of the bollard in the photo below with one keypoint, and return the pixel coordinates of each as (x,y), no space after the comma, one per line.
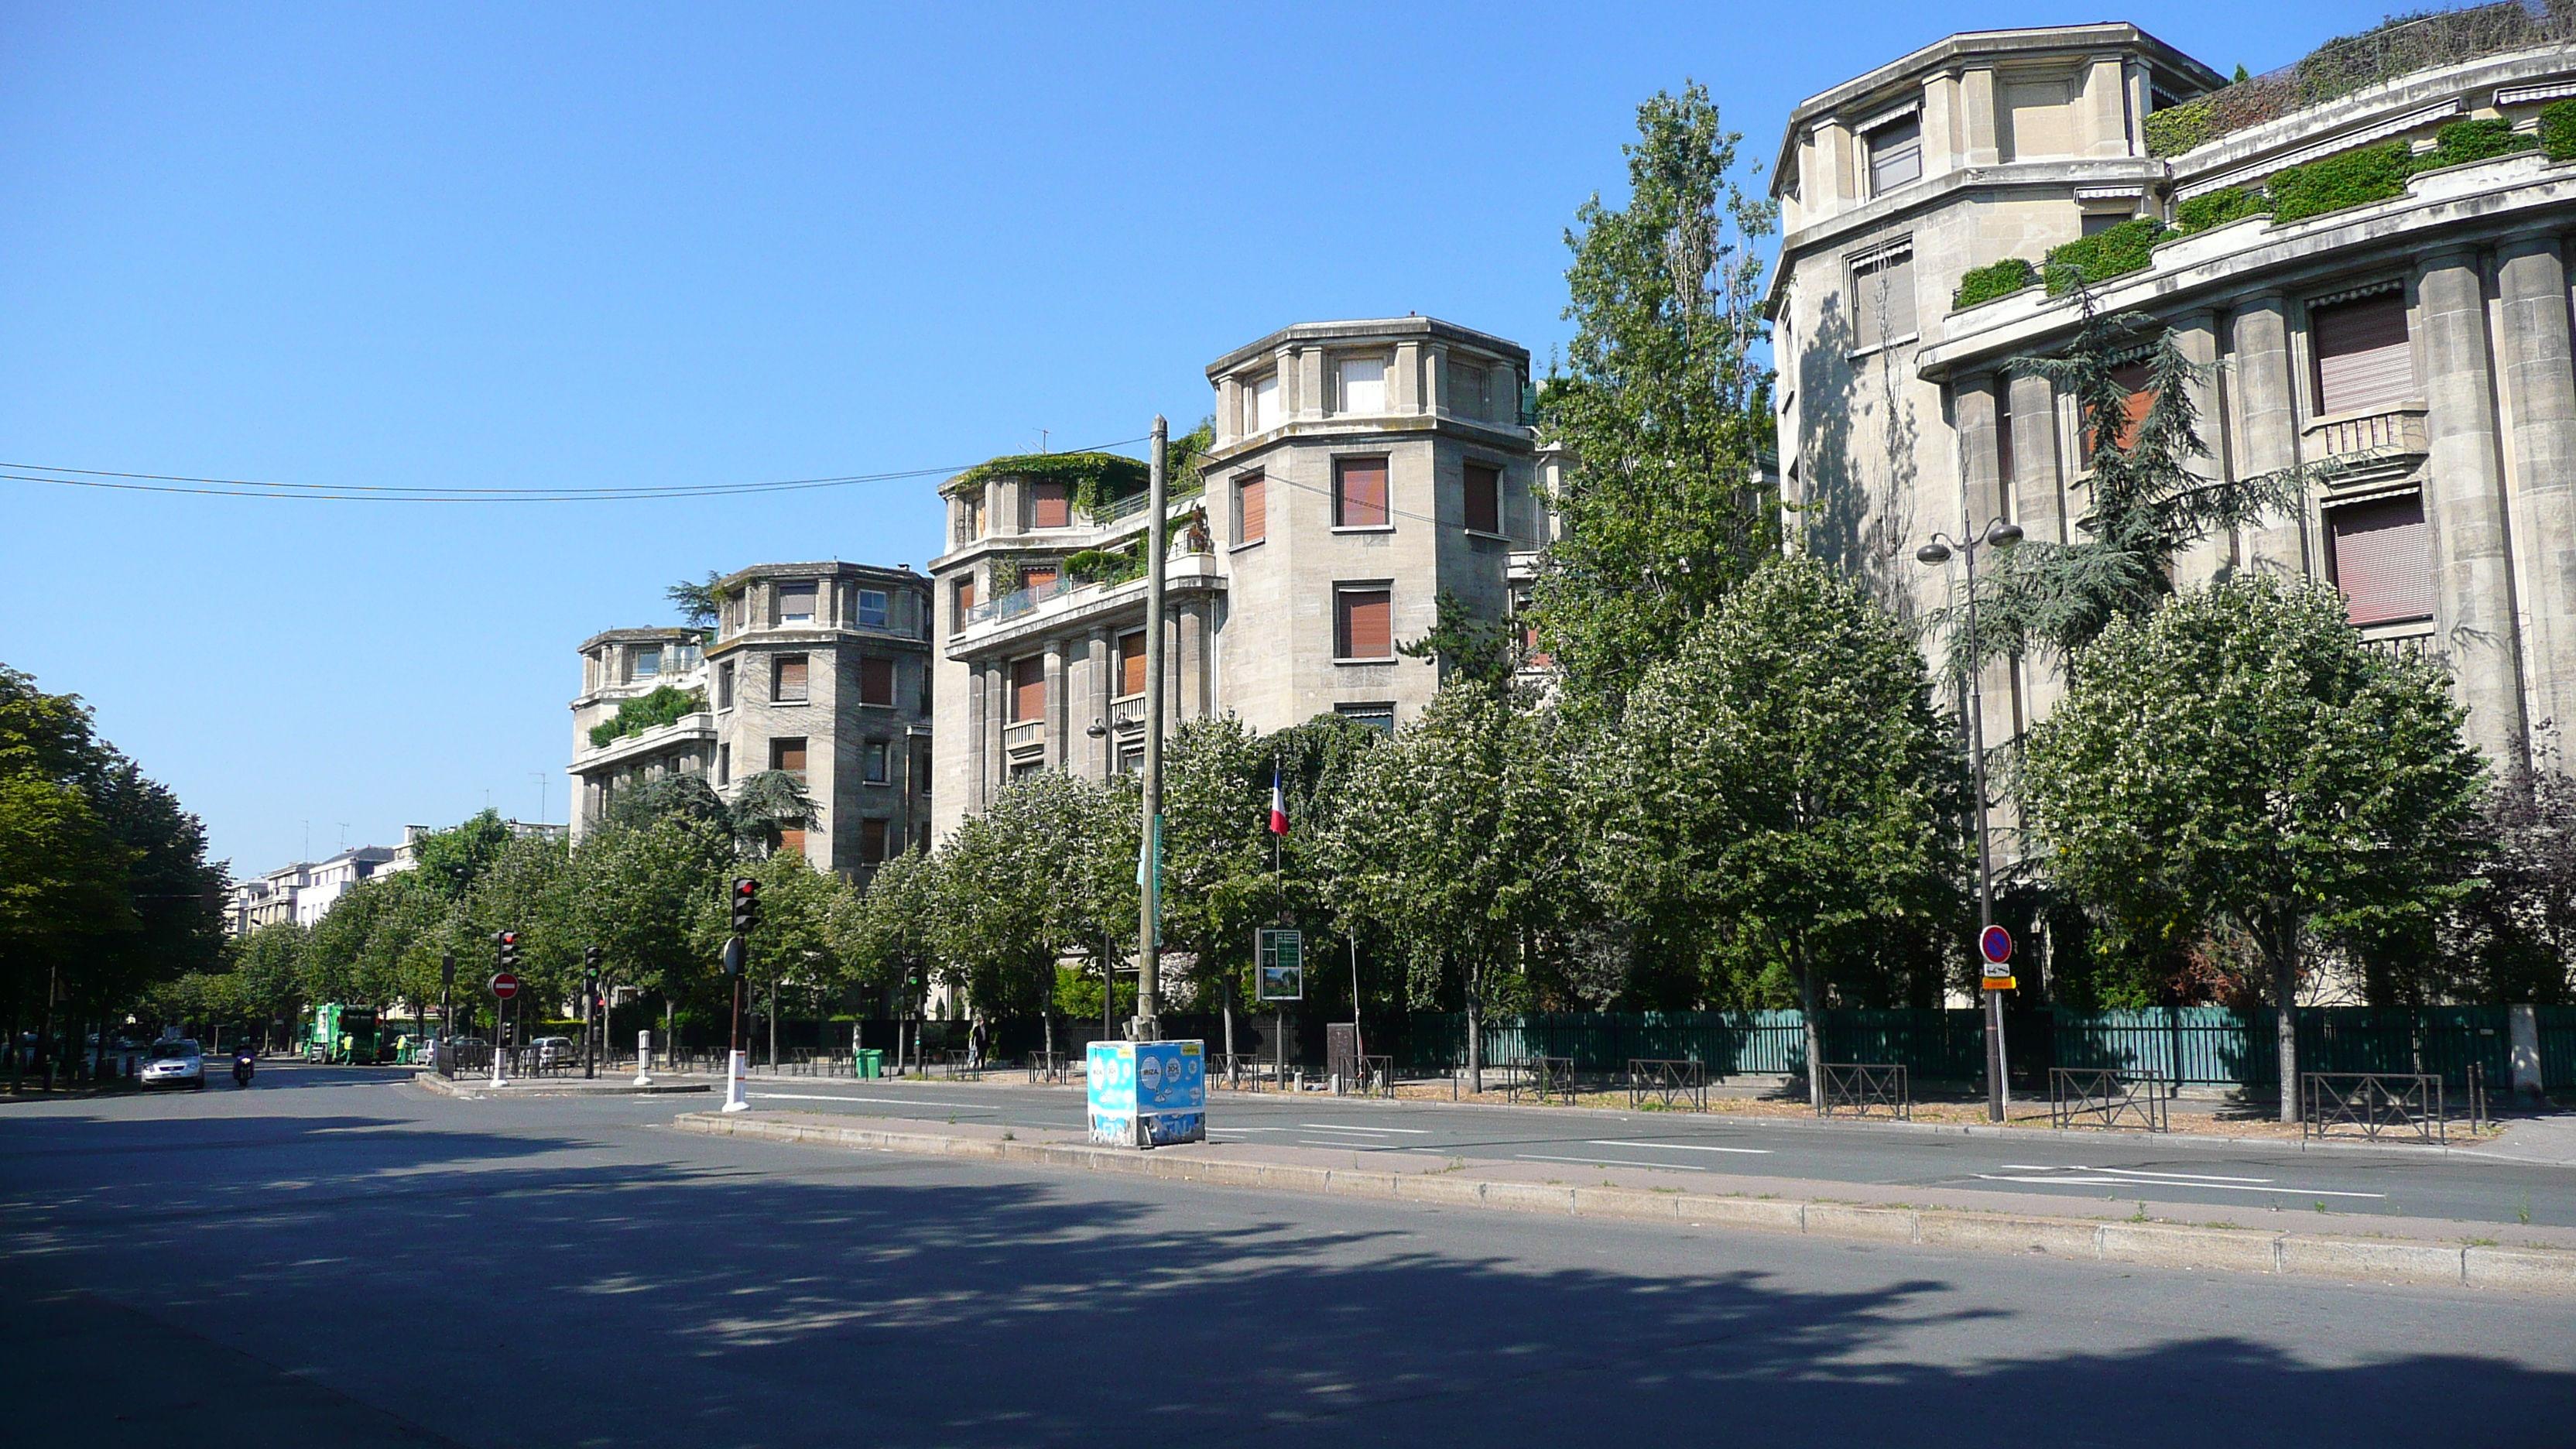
(733,1084)
(643,1058)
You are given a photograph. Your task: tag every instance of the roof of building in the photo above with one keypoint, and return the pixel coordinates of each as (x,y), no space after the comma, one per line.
(657,634)
(1368,329)
(899,574)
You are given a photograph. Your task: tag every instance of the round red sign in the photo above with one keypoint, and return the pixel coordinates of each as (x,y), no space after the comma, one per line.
(505,985)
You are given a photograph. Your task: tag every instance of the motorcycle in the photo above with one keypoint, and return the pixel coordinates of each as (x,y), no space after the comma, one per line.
(243,1064)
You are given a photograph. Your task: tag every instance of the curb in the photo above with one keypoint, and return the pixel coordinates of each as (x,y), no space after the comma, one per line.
(2157,1245)
(481,1091)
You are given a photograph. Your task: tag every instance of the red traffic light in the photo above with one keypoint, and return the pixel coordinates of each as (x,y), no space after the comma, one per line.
(746,887)
(509,938)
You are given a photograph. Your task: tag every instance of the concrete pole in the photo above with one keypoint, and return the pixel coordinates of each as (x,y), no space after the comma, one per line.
(2540,407)
(1149,948)
(2473,594)
(2267,404)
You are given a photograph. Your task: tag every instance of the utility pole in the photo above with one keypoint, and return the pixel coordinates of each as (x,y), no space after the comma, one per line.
(1149,864)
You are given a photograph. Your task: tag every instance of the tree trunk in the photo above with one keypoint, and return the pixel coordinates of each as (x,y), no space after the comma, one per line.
(1228,999)
(1815,1031)
(2285,1018)
(1475,1036)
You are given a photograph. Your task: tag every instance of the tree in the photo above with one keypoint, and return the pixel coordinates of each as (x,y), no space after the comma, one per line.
(268,966)
(885,934)
(1782,785)
(797,948)
(1464,645)
(451,859)
(1218,886)
(2242,758)
(639,892)
(1047,871)
(1662,405)
(768,805)
(700,604)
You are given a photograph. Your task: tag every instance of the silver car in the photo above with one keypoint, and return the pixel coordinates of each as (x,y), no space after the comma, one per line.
(174,1064)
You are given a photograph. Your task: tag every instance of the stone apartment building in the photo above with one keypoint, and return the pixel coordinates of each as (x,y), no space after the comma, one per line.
(817,669)
(2420,342)
(1359,469)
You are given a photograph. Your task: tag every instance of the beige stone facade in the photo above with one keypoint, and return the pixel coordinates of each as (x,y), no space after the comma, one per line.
(1359,469)
(2420,342)
(821,669)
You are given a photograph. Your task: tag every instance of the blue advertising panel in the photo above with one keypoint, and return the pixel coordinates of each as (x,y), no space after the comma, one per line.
(1147,1094)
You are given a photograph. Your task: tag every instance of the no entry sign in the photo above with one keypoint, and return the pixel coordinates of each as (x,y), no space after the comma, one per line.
(505,985)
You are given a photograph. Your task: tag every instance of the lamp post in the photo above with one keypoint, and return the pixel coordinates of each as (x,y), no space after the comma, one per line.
(1149,873)
(1997,534)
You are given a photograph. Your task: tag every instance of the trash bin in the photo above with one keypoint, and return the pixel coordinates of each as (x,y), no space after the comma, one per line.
(868,1062)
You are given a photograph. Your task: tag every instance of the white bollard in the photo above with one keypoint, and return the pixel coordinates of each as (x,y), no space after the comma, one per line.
(733,1084)
(643,1058)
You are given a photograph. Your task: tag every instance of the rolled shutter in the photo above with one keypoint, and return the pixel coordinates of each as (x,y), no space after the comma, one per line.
(1895,155)
(2363,360)
(791,678)
(1252,509)
(2383,559)
(1050,506)
(1131,665)
(876,681)
(1028,689)
(1367,624)
(1484,498)
(1360,491)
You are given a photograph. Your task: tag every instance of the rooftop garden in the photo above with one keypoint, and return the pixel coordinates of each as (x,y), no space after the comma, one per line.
(665,705)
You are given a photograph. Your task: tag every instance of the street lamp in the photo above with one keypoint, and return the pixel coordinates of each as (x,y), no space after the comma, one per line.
(1998,534)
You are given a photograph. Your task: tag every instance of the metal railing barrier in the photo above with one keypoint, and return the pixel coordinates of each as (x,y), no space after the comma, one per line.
(1671,1083)
(1046,1067)
(2379,1103)
(2115,1097)
(1376,1079)
(1866,1089)
(1540,1078)
(1240,1072)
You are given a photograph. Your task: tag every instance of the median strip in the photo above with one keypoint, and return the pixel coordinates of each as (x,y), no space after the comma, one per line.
(2159,1245)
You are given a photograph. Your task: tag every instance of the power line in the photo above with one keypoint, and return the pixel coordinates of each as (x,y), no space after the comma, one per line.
(100,478)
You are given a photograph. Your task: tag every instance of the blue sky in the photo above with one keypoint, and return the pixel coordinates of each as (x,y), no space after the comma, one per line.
(548,245)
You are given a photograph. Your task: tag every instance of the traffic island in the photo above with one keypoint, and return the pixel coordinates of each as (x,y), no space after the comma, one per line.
(2399,1251)
(480,1088)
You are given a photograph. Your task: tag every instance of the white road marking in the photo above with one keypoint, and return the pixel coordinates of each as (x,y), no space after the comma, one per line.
(2131,1171)
(1372,1131)
(843,1097)
(1609,1162)
(1681,1147)
(2212,1186)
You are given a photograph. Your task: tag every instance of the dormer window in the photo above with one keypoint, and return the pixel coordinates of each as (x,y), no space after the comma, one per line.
(648,662)
(1895,153)
(795,603)
(1363,385)
(1261,408)
(872,609)
(1050,505)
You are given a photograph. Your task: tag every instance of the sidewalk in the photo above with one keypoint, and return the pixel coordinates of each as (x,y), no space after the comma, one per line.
(2192,1236)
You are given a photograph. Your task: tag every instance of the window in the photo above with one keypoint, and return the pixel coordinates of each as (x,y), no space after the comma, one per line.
(1375,716)
(1028,688)
(1359,493)
(1251,508)
(2382,558)
(965,600)
(2097,222)
(872,609)
(788,755)
(648,662)
(2363,361)
(795,603)
(724,685)
(787,685)
(738,608)
(1484,498)
(876,681)
(1883,297)
(2136,399)
(1261,410)
(791,842)
(1025,768)
(1363,385)
(921,770)
(1363,623)
(1895,154)
(724,764)
(685,656)
(873,763)
(872,842)
(1467,390)
(1131,664)
(1131,759)
(1037,580)
(1050,505)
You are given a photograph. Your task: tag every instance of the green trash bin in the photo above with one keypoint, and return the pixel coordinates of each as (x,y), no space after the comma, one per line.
(869,1062)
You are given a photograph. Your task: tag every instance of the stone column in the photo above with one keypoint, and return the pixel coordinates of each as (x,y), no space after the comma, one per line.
(2105,113)
(1191,701)
(2039,506)
(2268,438)
(1975,401)
(2196,333)
(997,716)
(2540,407)
(1310,382)
(1058,707)
(1405,388)
(1435,379)
(1941,124)
(1833,169)
(978,787)
(1103,668)
(2464,504)
(1977,114)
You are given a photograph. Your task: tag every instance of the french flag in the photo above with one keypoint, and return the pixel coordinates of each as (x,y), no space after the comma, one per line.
(1278,804)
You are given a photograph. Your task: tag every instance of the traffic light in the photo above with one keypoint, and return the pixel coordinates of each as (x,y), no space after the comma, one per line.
(590,959)
(746,905)
(508,942)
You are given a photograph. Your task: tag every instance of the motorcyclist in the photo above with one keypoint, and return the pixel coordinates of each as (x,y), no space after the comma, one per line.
(244,1062)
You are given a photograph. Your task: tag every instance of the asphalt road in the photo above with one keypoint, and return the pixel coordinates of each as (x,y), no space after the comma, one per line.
(2393,1182)
(335,1259)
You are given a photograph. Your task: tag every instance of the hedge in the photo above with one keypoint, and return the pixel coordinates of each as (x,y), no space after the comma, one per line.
(2558,130)
(2177,129)
(1984,284)
(2217,208)
(2463,141)
(2117,252)
(2353,178)
(665,705)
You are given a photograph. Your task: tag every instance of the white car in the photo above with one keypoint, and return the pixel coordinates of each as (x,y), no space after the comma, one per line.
(555,1050)
(174,1064)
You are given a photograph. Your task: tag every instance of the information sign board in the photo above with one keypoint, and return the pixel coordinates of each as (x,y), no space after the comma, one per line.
(1279,959)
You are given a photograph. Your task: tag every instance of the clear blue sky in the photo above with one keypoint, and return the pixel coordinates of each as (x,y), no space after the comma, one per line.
(527,245)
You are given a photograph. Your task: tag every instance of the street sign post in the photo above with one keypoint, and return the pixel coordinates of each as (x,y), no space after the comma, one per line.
(503,986)
(1281,957)
(1996,945)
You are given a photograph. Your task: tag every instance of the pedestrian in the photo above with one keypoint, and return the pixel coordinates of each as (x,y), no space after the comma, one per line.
(975,1045)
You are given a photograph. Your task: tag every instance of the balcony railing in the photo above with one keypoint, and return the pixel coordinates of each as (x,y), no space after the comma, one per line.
(1019,601)
(1127,711)
(2393,430)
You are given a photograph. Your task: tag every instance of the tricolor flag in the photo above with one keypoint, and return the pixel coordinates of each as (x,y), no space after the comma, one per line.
(1278,803)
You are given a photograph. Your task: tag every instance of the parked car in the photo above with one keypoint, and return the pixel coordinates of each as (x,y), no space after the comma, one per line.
(555,1050)
(174,1064)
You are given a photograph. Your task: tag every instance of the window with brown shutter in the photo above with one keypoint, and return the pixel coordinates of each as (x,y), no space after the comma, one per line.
(2382,558)
(2363,360)
(1251,508)
(791,842)
(872,842)
(876,681)
(788,755)
(965,599)
(1359,493)
(1484,498)
(1050,506)
(796,603)
(1131,664)
(787,685)
(1363,624)
(1036,579)
(1028,688)
(2135,400)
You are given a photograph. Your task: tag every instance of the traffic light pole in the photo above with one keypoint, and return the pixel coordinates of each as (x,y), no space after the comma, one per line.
(744,896)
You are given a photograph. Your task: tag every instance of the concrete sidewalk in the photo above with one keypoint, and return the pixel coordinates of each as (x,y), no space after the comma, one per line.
(2190,1236)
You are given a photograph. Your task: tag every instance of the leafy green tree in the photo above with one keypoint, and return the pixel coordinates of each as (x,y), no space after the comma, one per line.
(1047,871)
(885,934)
(767,805)
(1662,403)
(1465,645)
(1218,886)
(700,604)
(268,966)
(1781,785)
(2241,758)
(451,859)
(640,892)
(795,955)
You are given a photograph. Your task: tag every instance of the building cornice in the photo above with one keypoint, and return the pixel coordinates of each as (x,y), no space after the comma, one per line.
(1377,329)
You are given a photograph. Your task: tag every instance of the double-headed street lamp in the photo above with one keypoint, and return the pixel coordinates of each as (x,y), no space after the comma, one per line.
(1997,534)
